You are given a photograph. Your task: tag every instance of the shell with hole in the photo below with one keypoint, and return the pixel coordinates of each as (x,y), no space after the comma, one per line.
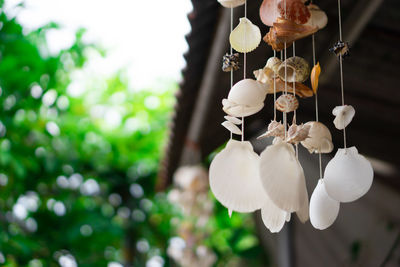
(282,176)
(298,133)
(245,98)
(231,3)
(245,37)
(231,127)
(348,176)
(287,103)
(274,129)
(234,177)
(273,217)
(319,138)
(318,17)
(294,10)
(344,115)
(294,69)
(286,31)
(323,209)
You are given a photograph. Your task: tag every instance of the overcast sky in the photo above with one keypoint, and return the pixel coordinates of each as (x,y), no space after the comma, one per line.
(146,37)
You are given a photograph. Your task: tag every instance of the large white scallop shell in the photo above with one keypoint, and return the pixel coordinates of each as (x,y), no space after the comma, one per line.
(320,138)
(323,209)
(344,115)
(318,17)
(282,176)
(234,177)
(245,98)
(348,176)
(231,3)
(273,217)
(245,37)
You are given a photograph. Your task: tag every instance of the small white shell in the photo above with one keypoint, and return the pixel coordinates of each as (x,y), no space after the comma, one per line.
(323,209)
(297,70)
(234,120)
(320,138)
(348,176)
(245,37)
(276,129)
(231,3)
(245,98)
(344,115)
(318,17)
(282,176)
(273,63)
(234,177)
(231,127)
(273,217)
(264,76)
(287,103)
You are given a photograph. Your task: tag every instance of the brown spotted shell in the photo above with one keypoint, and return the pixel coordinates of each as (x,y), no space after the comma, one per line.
(287,103)
(296,11)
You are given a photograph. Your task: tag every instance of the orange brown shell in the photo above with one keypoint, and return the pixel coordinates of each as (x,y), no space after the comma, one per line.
(296,11)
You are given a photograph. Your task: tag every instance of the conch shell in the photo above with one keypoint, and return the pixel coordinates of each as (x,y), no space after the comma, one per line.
(234,177)
(285,30)
(274,129)
(318,17)
(323,209)
(344,115)
(287,103)
(245,37)
(273,63)
(315,72)
(348,176)
(320,138)
(295,11)
(231,127)
(282,176)
(294,69)
(298,133)
(245,98)
(231,3)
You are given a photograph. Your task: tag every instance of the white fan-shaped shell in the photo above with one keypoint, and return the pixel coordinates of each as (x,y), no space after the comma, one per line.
(245,98)
(318,17)
(231,127)
(323,209)
(273,217)
(231,3)
(348,176)
(320,138)
(234,177)
(245,37)
(234,120)
(282,176)
(344,115)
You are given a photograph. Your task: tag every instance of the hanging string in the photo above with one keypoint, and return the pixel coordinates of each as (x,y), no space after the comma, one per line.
(231,51)
(285,56)
(294,93)
(244,61)
(341,68)
(274,92)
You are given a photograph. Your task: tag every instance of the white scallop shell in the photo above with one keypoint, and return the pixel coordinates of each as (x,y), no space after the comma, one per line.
(282,176)
(323,209)
(320,138)
(348,176)
(231,127)
(318,17)
(273,217)
(344,115)
(234,120)
(245,98)
(234,177)
(231,3)
(245,37)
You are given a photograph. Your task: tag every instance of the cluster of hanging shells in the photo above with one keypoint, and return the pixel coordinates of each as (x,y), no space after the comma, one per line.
(274,182)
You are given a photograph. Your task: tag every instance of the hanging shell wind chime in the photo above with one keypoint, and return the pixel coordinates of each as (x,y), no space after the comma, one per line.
(274,182)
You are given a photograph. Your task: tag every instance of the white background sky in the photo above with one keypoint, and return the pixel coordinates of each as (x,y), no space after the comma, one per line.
(145,37)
